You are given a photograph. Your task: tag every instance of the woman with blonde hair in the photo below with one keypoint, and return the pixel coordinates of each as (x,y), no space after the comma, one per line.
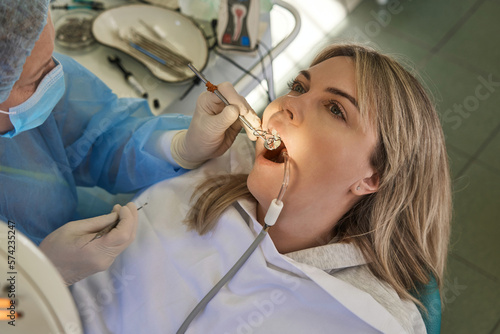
(365,218)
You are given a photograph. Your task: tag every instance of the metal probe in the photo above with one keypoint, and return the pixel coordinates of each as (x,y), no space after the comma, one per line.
(271,141)
(108,228)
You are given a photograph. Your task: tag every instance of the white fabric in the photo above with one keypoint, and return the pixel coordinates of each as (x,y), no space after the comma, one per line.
(165,140)
(159,279)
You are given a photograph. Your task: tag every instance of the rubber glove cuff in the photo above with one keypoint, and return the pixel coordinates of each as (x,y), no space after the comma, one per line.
(178,149)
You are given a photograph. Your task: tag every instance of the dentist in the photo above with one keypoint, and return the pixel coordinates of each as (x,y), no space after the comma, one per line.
(61,127)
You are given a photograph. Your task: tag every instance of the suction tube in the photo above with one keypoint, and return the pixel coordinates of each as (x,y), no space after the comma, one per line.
(277,204)
(270,219)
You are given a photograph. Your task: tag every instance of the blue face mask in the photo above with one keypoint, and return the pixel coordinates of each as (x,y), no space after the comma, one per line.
(35,110)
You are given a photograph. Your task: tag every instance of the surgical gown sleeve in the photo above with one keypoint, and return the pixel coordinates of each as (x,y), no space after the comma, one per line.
(110,141)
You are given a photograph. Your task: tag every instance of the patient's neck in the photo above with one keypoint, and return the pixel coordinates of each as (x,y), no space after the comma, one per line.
(299,230)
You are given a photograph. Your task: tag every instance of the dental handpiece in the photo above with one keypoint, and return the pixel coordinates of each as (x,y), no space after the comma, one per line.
(271,141)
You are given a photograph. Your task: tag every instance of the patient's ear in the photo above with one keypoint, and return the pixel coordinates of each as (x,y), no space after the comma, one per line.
(368,185)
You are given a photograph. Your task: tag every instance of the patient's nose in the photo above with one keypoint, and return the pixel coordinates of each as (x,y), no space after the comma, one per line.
(294,107)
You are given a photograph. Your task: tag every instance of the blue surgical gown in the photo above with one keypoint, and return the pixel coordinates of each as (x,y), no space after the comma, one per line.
(91,139)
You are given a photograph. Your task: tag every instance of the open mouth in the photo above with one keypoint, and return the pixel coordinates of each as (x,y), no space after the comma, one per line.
(276,155)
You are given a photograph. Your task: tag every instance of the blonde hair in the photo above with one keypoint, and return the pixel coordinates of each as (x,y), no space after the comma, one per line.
(402,229)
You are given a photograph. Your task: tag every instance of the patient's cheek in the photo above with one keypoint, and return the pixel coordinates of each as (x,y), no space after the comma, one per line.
(262,187)
(270,110)
(252,184)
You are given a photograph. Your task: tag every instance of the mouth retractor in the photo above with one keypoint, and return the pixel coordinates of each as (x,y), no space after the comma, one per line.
(272,140)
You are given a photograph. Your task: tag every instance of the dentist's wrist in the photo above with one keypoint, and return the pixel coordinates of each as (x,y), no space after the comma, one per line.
(178,151)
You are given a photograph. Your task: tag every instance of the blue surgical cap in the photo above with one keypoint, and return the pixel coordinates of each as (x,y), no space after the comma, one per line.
(21,22)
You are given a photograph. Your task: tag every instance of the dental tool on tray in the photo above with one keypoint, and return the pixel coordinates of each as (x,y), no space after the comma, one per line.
(94,5)
(271,141)
(159,52)
(128,76)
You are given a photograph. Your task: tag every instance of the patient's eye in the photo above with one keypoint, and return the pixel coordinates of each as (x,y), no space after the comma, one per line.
(336,109)
(296,86)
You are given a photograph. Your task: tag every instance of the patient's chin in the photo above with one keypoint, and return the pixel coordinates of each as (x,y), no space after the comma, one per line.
(263,186)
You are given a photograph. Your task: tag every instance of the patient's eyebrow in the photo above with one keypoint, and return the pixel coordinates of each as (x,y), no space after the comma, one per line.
(344,94)
(333,90)
(306,74)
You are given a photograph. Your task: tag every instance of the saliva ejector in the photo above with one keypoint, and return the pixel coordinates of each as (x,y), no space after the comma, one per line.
(269,220)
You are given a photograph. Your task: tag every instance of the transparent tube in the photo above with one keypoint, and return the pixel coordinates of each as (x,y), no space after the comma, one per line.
(286,176)
(241,261)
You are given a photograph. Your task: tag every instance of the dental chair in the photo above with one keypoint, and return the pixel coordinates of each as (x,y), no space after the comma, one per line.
(430,298)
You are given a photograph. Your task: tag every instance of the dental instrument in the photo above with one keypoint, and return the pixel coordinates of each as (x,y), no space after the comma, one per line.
(156,30)
(84,5)
(157,51)
(269,220)
(108,228)
(160,35)
(128,76)
(271,141)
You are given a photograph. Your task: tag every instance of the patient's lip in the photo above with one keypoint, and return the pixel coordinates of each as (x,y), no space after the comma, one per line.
(261,159)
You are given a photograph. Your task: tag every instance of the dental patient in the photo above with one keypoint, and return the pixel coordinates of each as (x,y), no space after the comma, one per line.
(364,224)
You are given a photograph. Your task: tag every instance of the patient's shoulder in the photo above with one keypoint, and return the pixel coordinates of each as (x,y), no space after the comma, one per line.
(404,311)
(346,262)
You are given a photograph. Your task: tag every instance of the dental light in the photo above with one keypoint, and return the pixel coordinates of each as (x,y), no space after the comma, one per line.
(33,296)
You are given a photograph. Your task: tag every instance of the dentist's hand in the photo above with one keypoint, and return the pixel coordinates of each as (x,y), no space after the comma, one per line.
(75,257)
(213,128)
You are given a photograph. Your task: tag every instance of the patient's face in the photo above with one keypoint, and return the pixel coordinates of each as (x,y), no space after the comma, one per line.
(329,148)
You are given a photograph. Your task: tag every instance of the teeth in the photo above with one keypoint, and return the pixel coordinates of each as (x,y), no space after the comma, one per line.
(273,140)
(275,155)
